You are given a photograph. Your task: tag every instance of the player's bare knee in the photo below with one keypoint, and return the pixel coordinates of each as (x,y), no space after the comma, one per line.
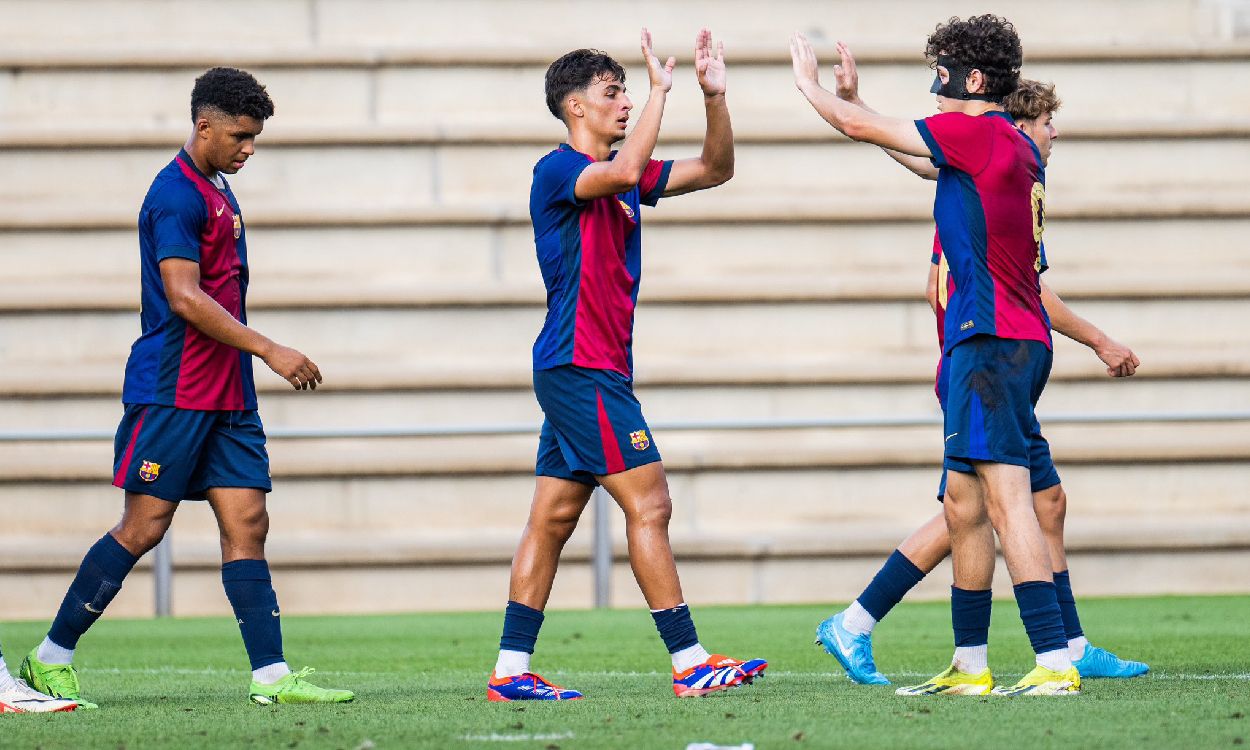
(1051,508)
(140,535)
(654,511)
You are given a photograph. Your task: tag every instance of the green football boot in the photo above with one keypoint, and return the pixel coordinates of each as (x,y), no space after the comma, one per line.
(295,689)
(56,680)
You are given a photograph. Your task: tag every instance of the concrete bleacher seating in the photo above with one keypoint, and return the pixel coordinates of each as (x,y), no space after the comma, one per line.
(388,238)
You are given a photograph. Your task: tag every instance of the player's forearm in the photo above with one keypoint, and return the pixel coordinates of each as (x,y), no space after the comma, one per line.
(839,113)
(1068,323)
(718,141)
(636,152)
(212,320)
(917,165)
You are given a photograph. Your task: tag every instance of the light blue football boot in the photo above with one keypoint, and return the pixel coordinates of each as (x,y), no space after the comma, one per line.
(1099,662)
(853,652)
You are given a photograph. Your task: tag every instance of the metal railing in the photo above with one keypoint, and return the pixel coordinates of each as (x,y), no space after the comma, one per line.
(601,554)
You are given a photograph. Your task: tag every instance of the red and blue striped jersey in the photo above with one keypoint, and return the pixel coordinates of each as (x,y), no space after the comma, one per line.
(172,363)
(989,209)
(590,254)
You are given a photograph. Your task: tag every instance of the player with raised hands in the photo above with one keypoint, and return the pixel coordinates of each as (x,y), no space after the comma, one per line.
(848,634)
(989,209)
(585,205)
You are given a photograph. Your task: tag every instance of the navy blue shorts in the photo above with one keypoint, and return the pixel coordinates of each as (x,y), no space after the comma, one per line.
(993,388)
(593,426)
(178,454)
(1042,472)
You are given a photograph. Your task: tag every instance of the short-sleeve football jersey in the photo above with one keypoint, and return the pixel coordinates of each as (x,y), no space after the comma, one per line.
(989,209)
(946,290)
(590,254)
(184,215)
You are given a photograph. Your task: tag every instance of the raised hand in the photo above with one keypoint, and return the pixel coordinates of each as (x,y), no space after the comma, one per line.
(806,68)
(847,76)
(661,75)
(709,68)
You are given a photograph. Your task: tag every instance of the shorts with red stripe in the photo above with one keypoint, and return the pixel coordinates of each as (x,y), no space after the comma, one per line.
(179,454)
(593,427)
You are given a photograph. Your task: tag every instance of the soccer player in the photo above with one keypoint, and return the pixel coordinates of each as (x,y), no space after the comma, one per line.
(848,634)
(16,697)
(190,429)
(989,210)
(585,206)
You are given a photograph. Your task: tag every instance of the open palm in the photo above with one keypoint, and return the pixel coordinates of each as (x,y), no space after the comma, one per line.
(709,67)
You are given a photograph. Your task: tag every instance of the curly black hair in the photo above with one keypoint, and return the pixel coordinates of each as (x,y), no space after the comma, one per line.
(575,72)
(231,91)
(986,43)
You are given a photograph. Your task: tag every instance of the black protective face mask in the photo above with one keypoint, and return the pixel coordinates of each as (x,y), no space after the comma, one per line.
(956,85)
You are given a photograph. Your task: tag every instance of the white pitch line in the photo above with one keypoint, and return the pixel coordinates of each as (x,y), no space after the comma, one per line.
(214,672)
(496,737)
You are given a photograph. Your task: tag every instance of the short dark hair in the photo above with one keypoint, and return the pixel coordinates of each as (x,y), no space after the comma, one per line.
(575,72)
(232,92)
(986,43)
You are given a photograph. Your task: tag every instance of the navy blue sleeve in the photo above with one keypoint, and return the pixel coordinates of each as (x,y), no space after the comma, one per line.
(177,215)
(555,177)
(654,180)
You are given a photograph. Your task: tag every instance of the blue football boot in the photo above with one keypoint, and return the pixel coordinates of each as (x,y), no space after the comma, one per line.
(1099,662)
(853,652)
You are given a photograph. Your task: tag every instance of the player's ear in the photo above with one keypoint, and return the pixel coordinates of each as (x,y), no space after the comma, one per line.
(975,83)
(573,107)
(202,126)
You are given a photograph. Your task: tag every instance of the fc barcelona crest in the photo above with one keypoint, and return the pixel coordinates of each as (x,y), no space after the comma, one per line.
(238,226)
(639,440)
(629,212)
(149,471)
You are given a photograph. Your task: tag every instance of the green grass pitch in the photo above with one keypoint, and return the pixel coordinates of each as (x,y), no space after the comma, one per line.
(420,682)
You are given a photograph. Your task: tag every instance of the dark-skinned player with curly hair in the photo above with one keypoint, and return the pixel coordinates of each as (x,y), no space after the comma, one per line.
(989,210)
(190,430)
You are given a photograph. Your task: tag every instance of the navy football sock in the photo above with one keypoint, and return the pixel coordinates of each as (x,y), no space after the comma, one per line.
(250,591)
(520,628)
(1039,609)
(99,578)
(970,616)
(888,587)
(1067,606)
(676,628)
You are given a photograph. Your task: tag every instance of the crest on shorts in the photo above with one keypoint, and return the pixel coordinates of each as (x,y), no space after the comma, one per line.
(639,440)
(629,212)
(149,471)
(238,226)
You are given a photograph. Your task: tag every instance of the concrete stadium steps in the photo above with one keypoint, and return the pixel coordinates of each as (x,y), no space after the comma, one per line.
(427,100)
(888,498)
(138,26)
(745,337)
(340,408)
(441,265)
(338,179)
(1148,538)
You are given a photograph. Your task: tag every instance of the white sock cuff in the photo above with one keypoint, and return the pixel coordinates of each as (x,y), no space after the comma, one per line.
(51,653)
(1056,660)
(857,620)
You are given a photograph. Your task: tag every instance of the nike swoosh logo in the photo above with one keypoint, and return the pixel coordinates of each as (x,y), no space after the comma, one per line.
(93,610)
(221,209)
(274,613)
(948,437)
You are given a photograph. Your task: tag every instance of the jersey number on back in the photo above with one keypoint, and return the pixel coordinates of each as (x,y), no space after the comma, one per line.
(1038,199)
